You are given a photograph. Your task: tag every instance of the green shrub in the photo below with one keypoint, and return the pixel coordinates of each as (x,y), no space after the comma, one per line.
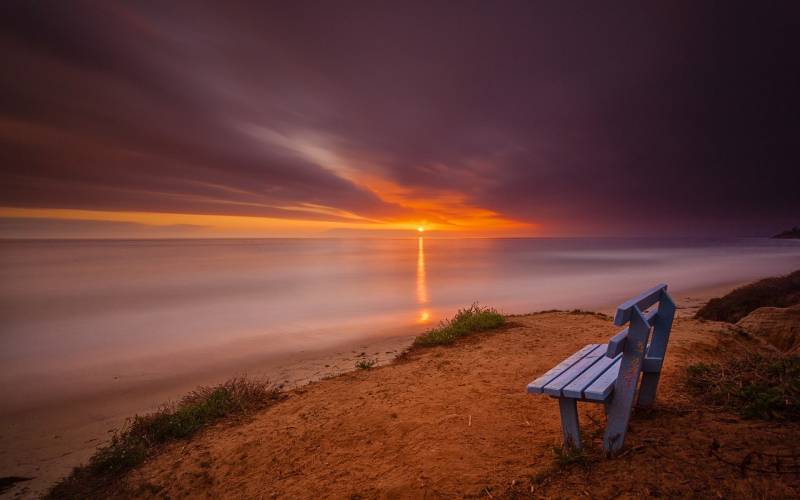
(470,320)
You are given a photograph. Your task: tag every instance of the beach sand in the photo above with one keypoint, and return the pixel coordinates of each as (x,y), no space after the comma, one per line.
(455,421)
(45,442)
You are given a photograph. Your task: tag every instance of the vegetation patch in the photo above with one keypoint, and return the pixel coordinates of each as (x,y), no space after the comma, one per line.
(470,320)
(143,435)
(8,481)
(755,385)
(783,291)
(569,456)
(365,364)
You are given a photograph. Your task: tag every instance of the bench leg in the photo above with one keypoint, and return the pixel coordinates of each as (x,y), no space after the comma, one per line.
(647,390)
(569,422)
(630,369)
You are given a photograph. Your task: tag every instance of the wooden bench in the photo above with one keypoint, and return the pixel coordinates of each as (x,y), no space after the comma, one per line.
(609,373)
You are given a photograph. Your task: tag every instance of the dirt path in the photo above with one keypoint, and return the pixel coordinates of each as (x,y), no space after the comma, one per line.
(454,422)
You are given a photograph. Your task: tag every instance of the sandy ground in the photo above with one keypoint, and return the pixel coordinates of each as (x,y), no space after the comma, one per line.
(456,422)
(45,443)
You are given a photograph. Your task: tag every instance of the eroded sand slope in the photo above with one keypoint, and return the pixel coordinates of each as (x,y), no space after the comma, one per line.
(456,421)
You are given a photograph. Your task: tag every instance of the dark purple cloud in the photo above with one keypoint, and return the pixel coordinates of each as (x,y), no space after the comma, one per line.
(592,118)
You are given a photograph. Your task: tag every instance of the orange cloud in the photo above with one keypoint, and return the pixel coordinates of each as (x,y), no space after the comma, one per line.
(441,209)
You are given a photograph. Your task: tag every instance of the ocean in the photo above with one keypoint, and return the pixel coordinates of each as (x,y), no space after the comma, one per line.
(82,305)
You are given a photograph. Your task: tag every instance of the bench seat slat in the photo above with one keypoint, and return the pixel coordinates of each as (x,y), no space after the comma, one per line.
(554,387)
(576,387)
(600,389)
(537,385)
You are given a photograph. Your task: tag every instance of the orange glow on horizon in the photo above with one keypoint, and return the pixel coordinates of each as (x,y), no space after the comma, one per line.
(226,225)
(406,207)
(446,210)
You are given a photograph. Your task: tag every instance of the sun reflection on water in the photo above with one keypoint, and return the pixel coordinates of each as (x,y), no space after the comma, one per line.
(422,286)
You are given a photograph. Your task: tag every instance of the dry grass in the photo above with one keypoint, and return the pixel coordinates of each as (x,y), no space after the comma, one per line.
(754,385)
(143,435)
(470,320)
(366,364)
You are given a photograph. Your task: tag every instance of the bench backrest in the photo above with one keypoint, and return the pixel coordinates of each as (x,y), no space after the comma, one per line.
(642,352)
(635,311)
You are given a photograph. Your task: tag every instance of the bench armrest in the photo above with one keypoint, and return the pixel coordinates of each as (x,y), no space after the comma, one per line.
(617,344)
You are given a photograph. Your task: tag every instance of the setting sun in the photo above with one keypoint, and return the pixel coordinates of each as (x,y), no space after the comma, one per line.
(420,229)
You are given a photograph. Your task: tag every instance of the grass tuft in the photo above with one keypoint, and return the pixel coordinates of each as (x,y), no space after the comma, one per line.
(755,386)
(142,435)
(365,364)
(470,320)
(782,291)
(569,456)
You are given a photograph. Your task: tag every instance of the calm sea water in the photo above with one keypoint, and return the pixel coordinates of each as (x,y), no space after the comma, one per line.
(92,306)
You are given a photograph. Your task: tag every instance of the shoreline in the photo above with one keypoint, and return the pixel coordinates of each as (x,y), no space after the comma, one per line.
(71,438)
(455,421)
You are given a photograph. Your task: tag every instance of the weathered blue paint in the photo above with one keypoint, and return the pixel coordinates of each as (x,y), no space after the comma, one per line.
(537,385)
(656,351)
(554,387)
(617,342)
(651,316)
(651,365)
(619,410)
(579,384)
(642,302)
(569,422)
(601,388)
(609,374)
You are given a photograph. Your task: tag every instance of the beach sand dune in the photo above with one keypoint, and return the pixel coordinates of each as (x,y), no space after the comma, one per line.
(456,421)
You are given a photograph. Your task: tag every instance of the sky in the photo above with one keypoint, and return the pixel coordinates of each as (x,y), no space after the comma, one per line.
(228,119)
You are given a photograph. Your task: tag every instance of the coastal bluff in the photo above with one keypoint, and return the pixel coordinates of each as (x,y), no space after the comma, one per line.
(455,421)
(793,233)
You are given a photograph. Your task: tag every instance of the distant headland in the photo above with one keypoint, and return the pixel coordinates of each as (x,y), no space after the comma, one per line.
(793,233)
